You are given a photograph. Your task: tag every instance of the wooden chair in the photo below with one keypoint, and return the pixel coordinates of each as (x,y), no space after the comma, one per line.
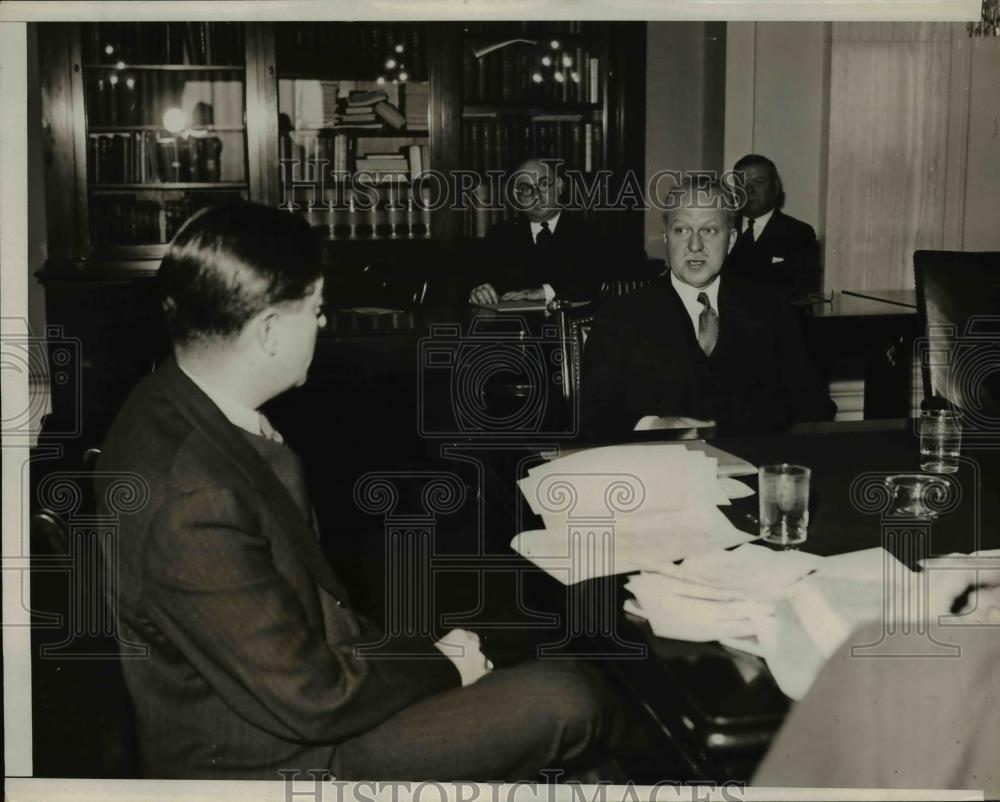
(958,301)
(574,326)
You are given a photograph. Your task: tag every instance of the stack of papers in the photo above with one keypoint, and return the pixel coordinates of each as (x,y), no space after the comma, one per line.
(620,509)
(718,595)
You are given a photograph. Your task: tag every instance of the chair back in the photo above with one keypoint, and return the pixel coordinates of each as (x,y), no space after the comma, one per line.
(617,287)
(574,326)
(958,300)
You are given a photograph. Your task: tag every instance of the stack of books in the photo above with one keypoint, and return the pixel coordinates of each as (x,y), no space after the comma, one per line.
(416,98)
(369,109)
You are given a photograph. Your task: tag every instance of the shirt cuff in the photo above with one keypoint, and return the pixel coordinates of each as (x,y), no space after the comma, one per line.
(550,293)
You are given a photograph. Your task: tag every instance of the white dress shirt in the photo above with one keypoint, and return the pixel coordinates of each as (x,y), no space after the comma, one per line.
(689,297)
(553,221)
(236,413)
(759,224)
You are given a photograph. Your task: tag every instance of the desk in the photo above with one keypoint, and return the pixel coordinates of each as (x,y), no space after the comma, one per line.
(868,336)
(719,708)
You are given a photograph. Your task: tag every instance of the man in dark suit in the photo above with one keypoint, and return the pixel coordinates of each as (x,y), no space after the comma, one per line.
(696,344)
(547,252)
(772,247)
(253,659)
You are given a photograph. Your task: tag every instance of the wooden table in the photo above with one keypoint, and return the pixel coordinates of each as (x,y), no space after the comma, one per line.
(718,708)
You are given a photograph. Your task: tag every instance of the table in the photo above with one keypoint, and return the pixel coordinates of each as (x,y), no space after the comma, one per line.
(867,334)
(717,708)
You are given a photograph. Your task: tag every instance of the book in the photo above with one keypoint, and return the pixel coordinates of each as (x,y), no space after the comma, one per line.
(366,98)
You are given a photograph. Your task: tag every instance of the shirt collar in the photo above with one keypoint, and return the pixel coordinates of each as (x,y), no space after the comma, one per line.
(759,224)
(536,227)
(236,413)
(689,295)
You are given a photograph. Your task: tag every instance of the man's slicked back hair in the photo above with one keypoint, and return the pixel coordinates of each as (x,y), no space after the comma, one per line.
(228,263)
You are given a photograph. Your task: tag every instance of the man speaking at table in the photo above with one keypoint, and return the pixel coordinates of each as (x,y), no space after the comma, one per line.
(253,663)
(698,344)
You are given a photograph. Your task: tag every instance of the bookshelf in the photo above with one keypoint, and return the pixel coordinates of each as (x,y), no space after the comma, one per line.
(354,128)
(147,122)
(165,130)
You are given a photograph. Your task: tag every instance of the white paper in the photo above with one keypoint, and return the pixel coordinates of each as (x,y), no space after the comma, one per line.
(755,572)
(573,554)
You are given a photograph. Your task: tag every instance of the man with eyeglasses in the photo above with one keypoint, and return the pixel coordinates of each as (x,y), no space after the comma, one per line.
(547,252)
(698,346)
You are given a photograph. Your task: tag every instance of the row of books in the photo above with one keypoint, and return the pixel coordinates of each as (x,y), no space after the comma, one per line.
(522,73)
(133,220)
(397,217)
(140,97)
(352,49)
(142,157)
(215,43)
(399,159)
(502,143)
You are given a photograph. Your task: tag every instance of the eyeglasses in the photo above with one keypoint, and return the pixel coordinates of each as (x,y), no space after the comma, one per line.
(525,189)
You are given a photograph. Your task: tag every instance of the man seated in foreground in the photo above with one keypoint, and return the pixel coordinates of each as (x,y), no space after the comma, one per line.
(698,344)
(253,659)
(545,253)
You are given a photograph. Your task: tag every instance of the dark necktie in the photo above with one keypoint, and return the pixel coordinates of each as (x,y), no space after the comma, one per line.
(748,234)
(708,325)
(544,237)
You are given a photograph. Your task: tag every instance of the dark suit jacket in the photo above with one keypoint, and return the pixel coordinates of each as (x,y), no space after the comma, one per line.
(786,255)
(642,358)
(251,664)
(572,264)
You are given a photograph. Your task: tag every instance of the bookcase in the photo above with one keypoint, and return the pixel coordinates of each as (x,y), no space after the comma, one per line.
(343,122)
(530,89)
(165,127)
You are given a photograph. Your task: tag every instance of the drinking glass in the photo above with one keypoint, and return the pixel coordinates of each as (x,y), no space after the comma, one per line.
(784,504)
(940,440)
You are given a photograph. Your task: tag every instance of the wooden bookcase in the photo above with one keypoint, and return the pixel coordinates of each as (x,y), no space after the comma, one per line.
(121,173)
(242,97)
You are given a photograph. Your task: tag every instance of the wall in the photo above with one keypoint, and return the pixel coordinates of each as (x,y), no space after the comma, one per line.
(776,102)
(37,247)
(981,230)
(885,135)
(685,104)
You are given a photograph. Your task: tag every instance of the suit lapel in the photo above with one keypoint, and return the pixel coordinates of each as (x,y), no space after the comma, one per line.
(207,418)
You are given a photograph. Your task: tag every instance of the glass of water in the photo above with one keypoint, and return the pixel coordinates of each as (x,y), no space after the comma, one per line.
(784,504)
(940,440)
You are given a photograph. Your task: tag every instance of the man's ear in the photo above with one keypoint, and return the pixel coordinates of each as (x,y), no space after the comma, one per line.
(265,332)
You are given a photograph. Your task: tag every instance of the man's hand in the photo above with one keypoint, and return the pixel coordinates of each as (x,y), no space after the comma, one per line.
(650,422)
(462,648)
(483,294)
(534,294)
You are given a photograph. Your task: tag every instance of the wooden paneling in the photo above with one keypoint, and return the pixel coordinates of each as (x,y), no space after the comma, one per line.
(890,104)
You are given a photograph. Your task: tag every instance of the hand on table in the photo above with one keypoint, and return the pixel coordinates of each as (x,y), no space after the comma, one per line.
(650,422)
(463,649)
(483,294)
(534,294)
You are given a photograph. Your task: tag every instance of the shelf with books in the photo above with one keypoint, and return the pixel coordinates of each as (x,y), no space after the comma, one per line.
(167,67)
(567,110)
